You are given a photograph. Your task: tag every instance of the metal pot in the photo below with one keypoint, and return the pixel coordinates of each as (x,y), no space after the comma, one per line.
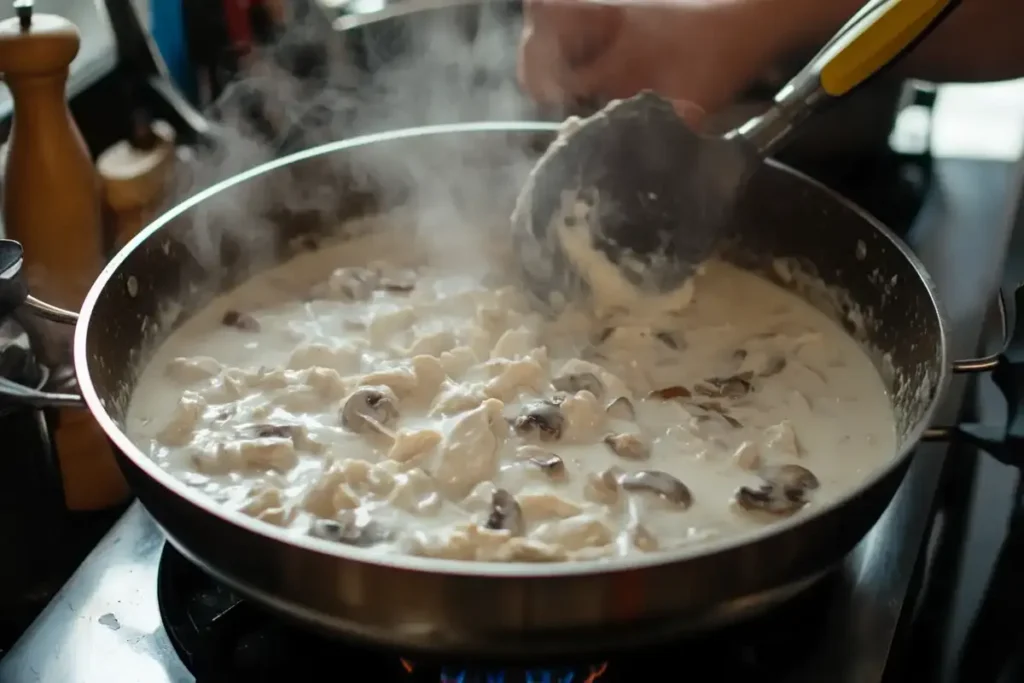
(429,605)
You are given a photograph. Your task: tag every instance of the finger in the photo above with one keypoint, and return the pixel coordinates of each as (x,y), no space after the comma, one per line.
(558,36)
(690,112)
(615,73)
(540,69)
(583,29)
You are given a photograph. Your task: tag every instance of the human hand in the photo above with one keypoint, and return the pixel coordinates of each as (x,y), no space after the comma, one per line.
(694,52)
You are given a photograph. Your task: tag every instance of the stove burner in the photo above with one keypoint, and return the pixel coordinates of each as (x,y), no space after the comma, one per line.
(222,638)
(561,674)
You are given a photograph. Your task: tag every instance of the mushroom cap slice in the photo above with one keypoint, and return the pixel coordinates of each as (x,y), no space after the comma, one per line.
(659,483)
(367,409)
(628,446)
(505,513)
(783,492)
(542,418)
(572,383)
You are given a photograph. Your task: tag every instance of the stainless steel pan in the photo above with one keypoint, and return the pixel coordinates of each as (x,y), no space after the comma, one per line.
(419,604)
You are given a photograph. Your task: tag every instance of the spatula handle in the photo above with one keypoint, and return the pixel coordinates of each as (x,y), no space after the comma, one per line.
(880,33)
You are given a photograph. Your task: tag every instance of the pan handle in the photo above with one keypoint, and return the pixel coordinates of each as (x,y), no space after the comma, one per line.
(14,296)
(1003,442)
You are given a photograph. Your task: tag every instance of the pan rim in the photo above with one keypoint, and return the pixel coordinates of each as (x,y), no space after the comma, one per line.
(495,570)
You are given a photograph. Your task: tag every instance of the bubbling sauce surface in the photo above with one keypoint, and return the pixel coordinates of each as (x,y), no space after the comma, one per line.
(413,409)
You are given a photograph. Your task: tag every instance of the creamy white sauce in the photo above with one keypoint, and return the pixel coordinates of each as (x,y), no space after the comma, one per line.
(253,414)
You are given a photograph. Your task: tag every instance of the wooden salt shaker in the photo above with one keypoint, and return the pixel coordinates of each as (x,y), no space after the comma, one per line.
(135,174)
(51,204)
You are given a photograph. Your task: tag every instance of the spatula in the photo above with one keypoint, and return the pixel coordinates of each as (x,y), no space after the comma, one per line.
(653,195)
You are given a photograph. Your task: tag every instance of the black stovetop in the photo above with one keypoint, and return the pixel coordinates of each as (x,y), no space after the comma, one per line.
(221,637)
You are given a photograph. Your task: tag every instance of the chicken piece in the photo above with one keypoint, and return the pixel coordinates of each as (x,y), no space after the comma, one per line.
(274,453)
(430,375)
(458,361)
(266,503)
(516,376)
(412,444)
(400,379)
(520,549)
(458,398)
(386,324)
(330,494)
(431,344)
(514,344)
(781,439)
(365,478)
(326,382)
(193,369)
(585,418)
(180,429)
(574,533)
(469,454)
(346,360)
(541,507)
(416,493)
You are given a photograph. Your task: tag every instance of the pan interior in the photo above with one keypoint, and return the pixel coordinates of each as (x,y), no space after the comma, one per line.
(792,231)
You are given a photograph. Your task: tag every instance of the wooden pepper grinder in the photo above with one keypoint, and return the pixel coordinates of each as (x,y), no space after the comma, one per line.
(51,204)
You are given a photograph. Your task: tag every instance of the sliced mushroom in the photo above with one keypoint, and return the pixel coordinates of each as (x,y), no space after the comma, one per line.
(621,408)
(783,492)
(298,434)
(549,463)
(240,321)
(736,386)
(582,381)
(396,286)
(791,477)
(660,483)
(669,393)
(732,421)
(558,398)
(669,340)
(541,418)
(350,528)
(628,446)
(369,409)
(505,513)
(264,431)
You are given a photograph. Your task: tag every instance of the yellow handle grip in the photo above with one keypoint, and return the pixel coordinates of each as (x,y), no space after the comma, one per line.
(880,38)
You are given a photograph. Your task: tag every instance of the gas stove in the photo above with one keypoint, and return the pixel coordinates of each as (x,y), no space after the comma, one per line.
(136,611)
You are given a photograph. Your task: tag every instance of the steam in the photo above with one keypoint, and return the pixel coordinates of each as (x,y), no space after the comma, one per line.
(453,62)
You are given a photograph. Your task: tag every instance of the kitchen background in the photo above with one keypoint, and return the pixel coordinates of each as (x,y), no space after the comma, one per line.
(942,165)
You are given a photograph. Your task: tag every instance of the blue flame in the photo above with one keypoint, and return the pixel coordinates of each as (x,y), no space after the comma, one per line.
(532,676)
